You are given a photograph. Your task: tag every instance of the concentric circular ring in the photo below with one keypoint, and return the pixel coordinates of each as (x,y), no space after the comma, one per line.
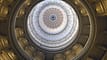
(53,25)
(53,19)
